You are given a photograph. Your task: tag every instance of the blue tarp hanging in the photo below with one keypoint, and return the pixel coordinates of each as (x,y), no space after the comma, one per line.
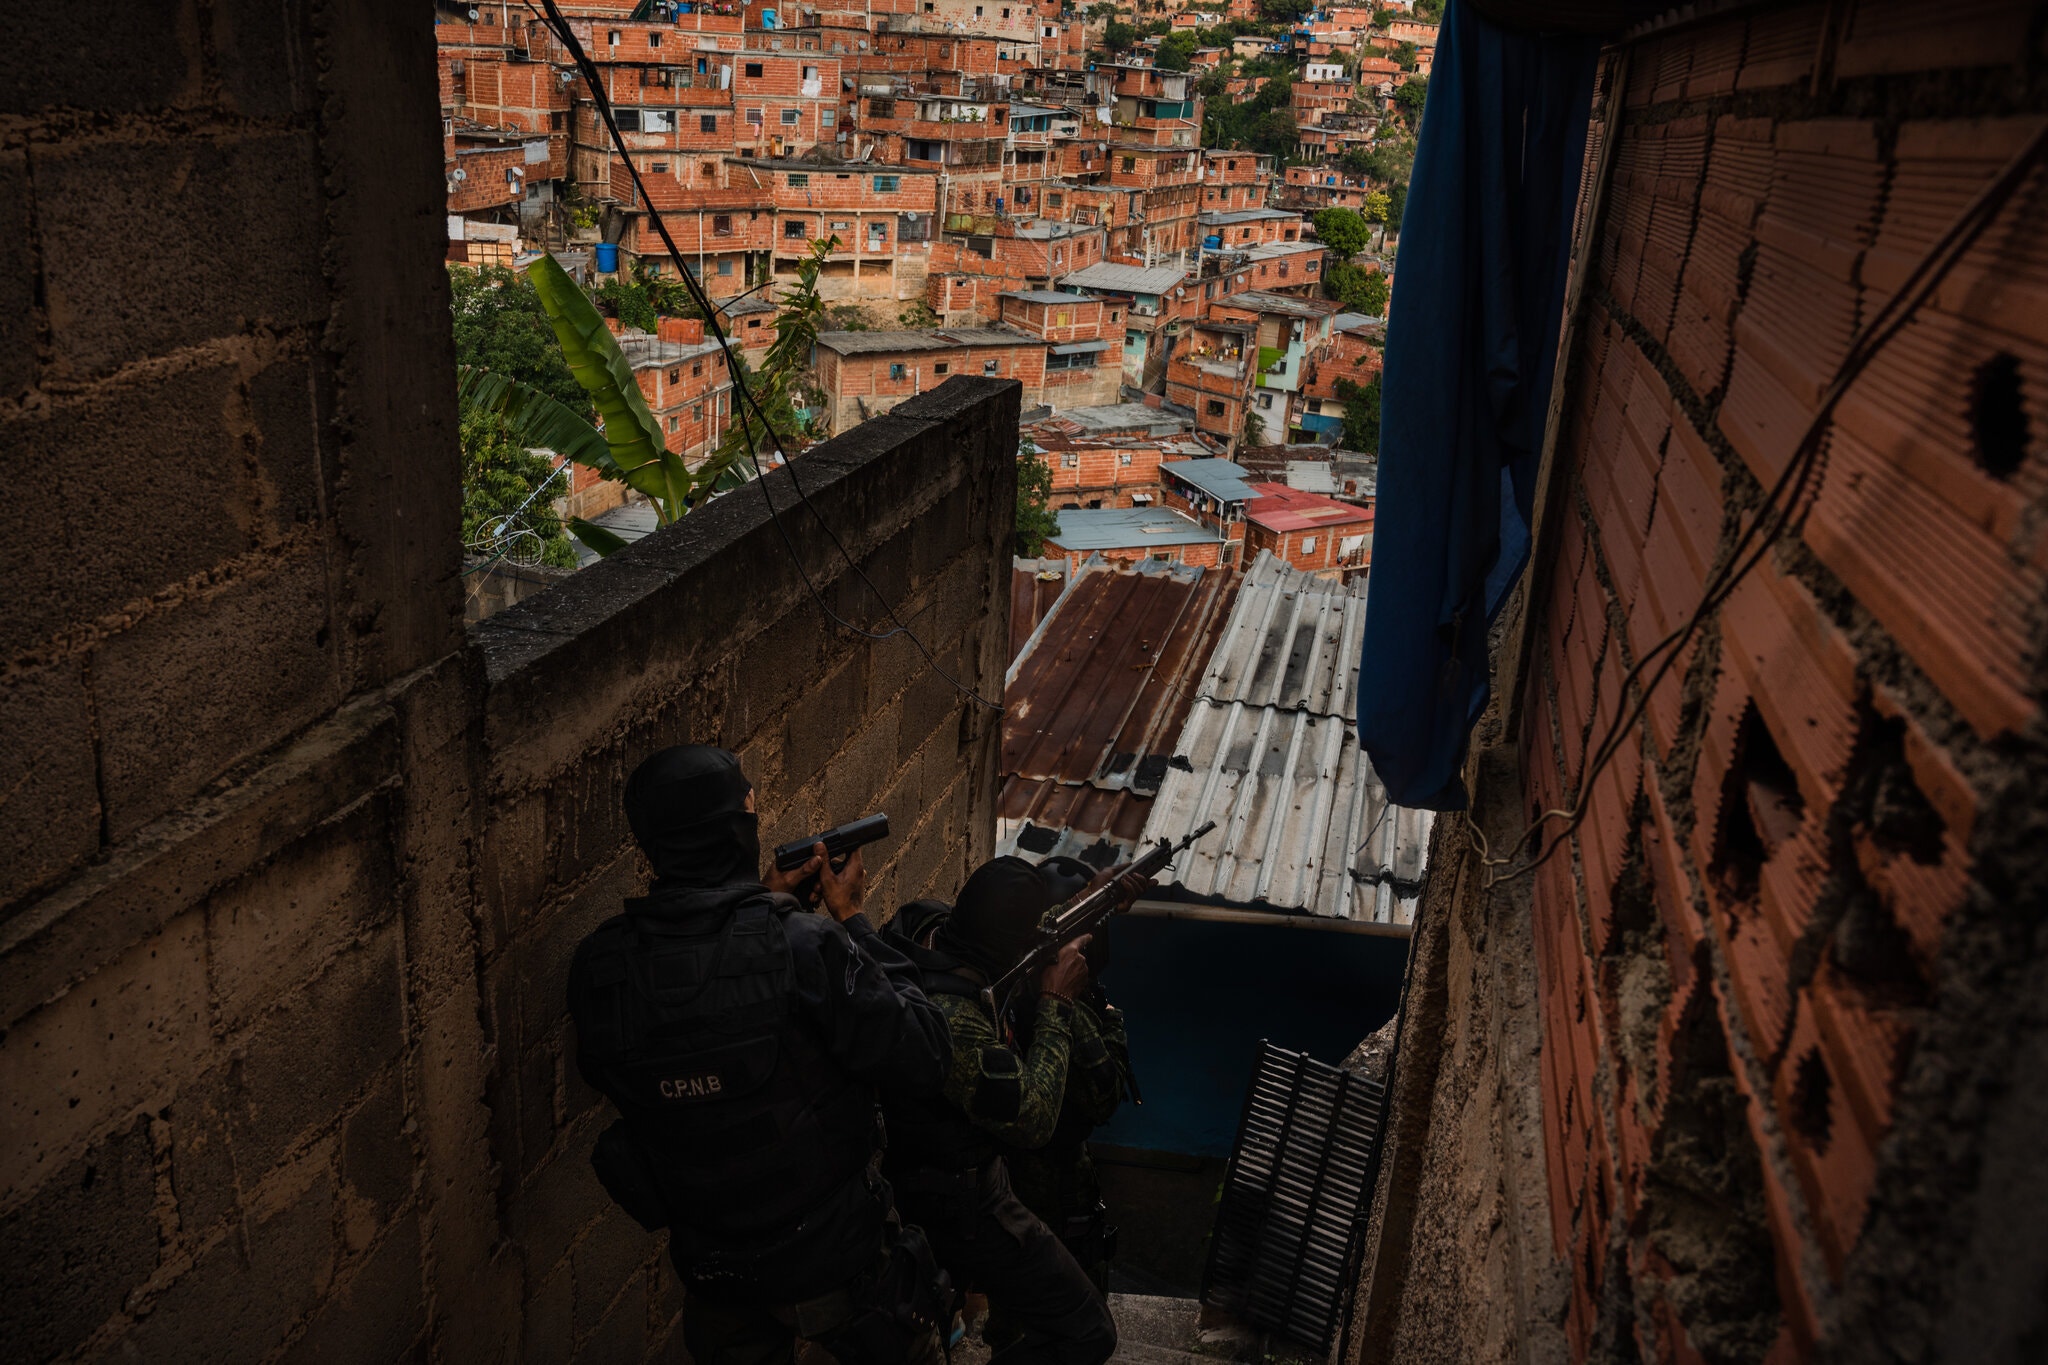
(1471,345)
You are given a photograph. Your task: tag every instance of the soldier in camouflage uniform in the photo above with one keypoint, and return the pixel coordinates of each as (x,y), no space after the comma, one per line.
(1057,1181)
(1003,1093)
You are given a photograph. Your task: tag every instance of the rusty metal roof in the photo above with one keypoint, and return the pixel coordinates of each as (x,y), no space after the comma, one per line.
(1272,756)
(1095,700)
(1035,587)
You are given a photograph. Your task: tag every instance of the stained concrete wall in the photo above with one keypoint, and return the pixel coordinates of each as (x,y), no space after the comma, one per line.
(293,866)
(1739,1073)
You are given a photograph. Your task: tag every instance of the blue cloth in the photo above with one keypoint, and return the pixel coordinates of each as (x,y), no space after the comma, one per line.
(1471,345)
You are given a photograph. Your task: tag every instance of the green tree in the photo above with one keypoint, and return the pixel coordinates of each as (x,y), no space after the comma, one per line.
(1118,36)
(1358,289)
(1361,414)
(1285,11)
(1254,429)
(1397,204)
(1430,11)
(1175,50)
(1405,56)
(1343,231)
(1035,518)
(508,495)
(758,427)
(1410,98)
(1374,210)
(500,326)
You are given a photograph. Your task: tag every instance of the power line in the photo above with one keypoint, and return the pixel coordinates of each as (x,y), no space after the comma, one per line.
(594,81)
(1800,470)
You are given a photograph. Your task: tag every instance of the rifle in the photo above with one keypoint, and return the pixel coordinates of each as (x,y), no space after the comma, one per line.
(1084,915)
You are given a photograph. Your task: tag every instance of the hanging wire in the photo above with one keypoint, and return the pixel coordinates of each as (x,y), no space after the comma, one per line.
(1782,503)
(594,81)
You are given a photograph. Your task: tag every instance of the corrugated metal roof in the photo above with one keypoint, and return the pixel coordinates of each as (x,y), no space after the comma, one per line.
(1094,701)
(1287,305)
(1230,217)
(945,339)
(1127,279)
(1311,476)
(1035,586)
(1303,824)
(1121,528)
(1222,479)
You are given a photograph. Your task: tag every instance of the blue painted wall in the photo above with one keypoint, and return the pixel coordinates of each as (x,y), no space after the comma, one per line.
(1199,996)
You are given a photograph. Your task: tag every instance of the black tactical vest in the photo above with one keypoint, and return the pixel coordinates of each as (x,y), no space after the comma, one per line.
(688,1024)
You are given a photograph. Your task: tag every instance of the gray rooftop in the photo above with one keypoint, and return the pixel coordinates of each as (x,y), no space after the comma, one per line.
(1032,110)
(1303,824)
(1225,480)
(1287,304)
(1122,416)
(1126,279)
(1039,295)
(642,348)
(1261,250)
(1123,528)
(1045,229)
(1226,218)
(935,339)
(1311,476)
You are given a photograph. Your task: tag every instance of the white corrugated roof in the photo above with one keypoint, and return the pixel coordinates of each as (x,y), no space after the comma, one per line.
(1126,279)
(1303,824)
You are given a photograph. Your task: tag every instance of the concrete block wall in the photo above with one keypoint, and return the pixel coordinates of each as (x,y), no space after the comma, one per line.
(294,865)
(1780,962)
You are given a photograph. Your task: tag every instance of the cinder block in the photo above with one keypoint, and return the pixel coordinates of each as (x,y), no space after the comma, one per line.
(609,1256)
(267,932)
(556,1205)
(59,57)
(377,1162)
(199,511)
(18,339)
(820,721)
(263,54)
(202,1153)
(223,221)
(71,1253)
(198,686)
(245,1292)
(547,1318)
(50,821)
(622,1335)
(116,1040)
(375,1316)
(309,1055)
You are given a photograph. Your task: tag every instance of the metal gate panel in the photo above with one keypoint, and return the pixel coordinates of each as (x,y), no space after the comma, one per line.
(1294,1196)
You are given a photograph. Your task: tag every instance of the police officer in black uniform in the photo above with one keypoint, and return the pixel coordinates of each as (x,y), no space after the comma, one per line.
(944,1156)
(742,1041)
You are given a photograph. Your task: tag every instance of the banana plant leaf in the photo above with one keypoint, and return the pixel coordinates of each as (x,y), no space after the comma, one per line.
(535,419)
(602,369)
(599,540)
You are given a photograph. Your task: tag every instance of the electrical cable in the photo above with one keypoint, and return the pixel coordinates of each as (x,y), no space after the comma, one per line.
(594,81)
(1792,484)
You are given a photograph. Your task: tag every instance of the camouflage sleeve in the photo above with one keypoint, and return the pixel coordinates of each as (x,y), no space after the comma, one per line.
(1096,1085)
(1015,1099)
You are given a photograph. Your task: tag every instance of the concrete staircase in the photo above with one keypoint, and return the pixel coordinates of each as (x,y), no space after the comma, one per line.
(1154,1330)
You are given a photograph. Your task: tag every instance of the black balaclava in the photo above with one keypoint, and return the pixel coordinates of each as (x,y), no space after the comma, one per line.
(919,919)
(1065,878)
(688,810)
(995,918)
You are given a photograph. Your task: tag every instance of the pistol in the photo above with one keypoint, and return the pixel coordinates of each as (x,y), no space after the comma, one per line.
(839,841)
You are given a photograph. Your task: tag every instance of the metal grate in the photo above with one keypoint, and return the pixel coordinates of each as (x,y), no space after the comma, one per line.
(1295,1196)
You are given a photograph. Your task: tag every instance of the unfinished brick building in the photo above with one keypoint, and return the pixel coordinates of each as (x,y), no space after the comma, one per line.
(1750,1068)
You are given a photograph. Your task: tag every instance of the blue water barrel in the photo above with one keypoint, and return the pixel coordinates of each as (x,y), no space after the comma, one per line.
(607,257)
(1213,243)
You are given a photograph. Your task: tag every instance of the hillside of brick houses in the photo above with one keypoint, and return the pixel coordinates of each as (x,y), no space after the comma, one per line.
(1018,191)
